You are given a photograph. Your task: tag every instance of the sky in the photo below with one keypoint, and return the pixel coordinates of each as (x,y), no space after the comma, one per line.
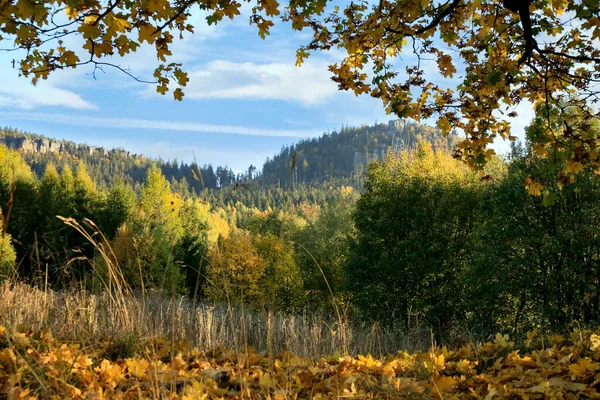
(245,99)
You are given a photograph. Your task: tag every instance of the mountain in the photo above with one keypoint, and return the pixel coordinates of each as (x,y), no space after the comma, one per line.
(341,156)
(333,159)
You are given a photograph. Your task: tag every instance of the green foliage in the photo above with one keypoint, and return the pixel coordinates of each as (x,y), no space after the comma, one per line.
(282,284)
(323,247)
(414,223)
(8,256)
(118,205)
(193,246)
(163,240)
(533,265)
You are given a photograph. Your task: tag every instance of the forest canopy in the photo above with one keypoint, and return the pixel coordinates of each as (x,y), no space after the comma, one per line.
(490,56)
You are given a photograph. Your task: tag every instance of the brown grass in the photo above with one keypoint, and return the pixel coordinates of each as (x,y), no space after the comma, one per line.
(82,317)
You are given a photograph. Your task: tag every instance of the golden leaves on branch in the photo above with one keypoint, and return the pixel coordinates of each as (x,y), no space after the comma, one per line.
(486,41)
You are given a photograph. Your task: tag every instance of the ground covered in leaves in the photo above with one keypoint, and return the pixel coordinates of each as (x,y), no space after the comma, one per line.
(36,365)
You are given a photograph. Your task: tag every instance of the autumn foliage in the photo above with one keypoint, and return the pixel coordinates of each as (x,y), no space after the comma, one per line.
(467,63)
(37,365)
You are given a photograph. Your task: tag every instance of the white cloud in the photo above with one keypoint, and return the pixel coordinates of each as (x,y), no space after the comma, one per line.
(18,92)
(129,123)
(309,85)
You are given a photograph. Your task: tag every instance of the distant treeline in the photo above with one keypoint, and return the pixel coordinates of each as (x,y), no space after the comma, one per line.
(332,159)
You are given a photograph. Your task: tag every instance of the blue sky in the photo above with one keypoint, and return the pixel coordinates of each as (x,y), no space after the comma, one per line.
(245,99)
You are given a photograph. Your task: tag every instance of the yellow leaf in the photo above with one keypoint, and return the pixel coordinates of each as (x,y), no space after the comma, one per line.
(541,150)
(71,12)
(121,25)
(178,94)
(583,367)
(573,167)
(271,7)
(146,34)
(182,77)
(162,89)
(445,65)
(69,58)
(595,339)
(109,373)
(502,340)
(137,367)
(90,19)
(533,188)
(265,381)
(444,125)
(445,383)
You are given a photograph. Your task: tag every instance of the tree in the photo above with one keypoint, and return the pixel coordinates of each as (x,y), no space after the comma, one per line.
(235,270)
(506,51)
(18,203)
(8,256)
(119,203)
(325,240)
(282,285)
(535,267)
(413,228)
(146,245)
(193,247)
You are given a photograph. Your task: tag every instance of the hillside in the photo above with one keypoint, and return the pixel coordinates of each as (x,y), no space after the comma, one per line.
(337,158)
(342,155)
(107,166)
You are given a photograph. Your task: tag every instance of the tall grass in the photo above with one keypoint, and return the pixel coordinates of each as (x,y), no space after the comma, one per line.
(82,316)
(117,314)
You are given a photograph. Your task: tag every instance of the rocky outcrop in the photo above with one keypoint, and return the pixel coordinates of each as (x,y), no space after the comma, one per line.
(28,144)
(360,157)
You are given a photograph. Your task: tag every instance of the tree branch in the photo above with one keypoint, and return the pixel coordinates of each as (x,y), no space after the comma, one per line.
(438,18)
(105,13)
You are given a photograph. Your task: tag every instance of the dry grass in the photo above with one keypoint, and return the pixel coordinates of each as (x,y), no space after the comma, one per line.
(120,316)
(81,316)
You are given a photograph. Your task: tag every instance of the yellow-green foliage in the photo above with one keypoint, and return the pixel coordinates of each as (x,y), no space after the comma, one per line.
(218,225)
(236,269)
(13,168)
(7,253)
(39,366)
(427,164)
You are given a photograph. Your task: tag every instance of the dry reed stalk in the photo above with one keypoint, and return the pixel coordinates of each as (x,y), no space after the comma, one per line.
(83,316)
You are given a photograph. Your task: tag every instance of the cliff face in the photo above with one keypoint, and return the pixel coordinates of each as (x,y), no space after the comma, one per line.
(44,145)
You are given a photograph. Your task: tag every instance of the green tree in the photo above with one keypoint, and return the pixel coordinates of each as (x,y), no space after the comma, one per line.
(325,242)
(413,230)
(8,256)
(193,247)
(18,198)
(146,244)
(534,266)
(281,284)
(119,203)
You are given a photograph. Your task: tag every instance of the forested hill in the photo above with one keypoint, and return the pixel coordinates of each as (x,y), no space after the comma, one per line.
(336,158)
(106,166)
(342,155)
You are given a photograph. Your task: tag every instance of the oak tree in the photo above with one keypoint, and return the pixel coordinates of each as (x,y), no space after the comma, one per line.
(490,55)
